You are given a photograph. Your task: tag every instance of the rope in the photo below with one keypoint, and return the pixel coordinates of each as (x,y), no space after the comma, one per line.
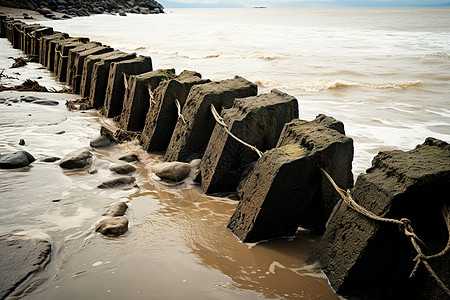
(20,31)
(220,121)
(125,81)
(60,54)
(405,226)
(150,93)
(180,116)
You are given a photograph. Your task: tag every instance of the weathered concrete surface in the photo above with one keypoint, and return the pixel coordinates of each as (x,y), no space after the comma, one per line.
(88,65)
(162,116)
(13,33)
(19,259)
(62,56)
(36,41)
(137,98)
(118,73)
(7,25)
(361,256)
(334,154)
(99,75)
(56,47)
(73,55)
(286,188)
(191,138)
(18,29)
(256,120)
(26,37)
(75,78)
(52,52)
(17,35)
(2,25)
(44,57)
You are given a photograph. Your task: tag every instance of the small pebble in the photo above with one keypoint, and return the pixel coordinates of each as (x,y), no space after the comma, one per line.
(22,142)
(50,159)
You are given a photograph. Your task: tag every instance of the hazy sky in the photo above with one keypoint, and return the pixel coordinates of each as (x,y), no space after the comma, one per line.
(299,3)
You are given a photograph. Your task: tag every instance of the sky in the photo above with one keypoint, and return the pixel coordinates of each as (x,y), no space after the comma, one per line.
(301,3)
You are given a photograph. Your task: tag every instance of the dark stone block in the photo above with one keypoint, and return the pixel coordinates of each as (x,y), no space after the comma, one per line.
(36,41)
(62,56)
(118,72)
(137,98)
(191,138)
(77,71)
(27,37)
(286,188)
(162,115)
(95,75)
(73,55)
(256,120)
(45,54)
(363,257)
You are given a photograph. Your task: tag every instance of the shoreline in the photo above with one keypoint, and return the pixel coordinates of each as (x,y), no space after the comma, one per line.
(131,61)
(138,213)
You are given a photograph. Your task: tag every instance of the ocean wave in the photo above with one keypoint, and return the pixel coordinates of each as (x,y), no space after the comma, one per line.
(437,54)
(268,57)
(322,85)
(211,54)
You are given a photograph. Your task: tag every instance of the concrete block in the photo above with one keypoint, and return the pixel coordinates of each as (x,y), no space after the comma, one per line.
(118,74)
(189,140)
(163,115)
(79,58)
(137,98)
(256,120)
(286,188)
(364,257)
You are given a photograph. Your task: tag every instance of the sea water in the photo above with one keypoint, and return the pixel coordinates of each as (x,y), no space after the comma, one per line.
(383,72)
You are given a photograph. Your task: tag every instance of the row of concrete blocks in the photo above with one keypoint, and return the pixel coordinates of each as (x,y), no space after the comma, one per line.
(172,113)
(284,188)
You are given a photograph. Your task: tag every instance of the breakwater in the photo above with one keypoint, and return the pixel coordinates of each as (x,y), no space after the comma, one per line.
(300,149)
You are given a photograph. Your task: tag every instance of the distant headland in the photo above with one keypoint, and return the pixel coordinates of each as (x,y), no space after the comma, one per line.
(73,8)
